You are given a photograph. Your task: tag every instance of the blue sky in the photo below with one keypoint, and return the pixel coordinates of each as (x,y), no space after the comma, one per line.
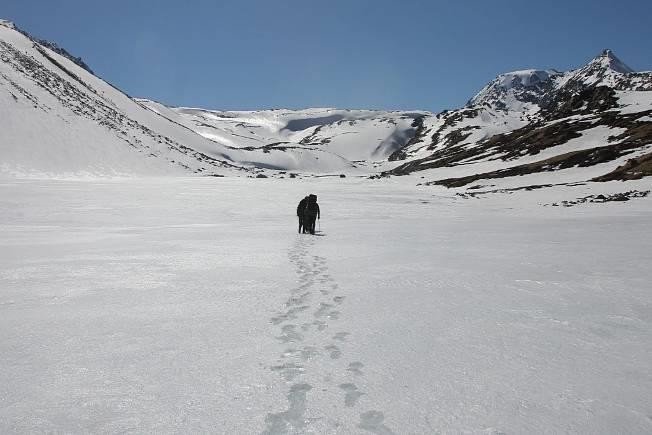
(380,54)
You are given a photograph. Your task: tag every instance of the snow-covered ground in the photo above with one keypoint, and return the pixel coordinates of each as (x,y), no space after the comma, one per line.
(350,134)
(192,305)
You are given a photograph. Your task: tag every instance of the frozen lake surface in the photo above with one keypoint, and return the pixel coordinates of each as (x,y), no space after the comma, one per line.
(192,305)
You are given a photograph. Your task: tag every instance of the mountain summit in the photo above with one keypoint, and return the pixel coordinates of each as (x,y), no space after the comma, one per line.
(7,23)
(538,121)
(609,60)
(511,90)
(605,69)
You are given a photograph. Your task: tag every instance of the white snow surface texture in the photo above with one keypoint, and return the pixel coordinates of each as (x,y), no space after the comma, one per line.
(191,305)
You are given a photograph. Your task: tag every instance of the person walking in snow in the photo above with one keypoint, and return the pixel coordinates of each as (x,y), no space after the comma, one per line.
(301,208)
(310,214)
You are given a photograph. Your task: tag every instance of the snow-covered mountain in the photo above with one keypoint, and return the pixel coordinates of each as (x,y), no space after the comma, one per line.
(514,90)
(57,118)
(359,139)
(592,123)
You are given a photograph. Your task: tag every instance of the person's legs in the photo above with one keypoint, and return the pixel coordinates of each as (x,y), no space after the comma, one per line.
(312,224)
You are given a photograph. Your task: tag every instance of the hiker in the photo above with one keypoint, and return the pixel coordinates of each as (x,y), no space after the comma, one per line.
(300,212)
(311,213)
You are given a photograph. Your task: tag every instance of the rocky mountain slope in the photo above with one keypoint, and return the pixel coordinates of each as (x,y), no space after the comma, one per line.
(524,128)
(593,123)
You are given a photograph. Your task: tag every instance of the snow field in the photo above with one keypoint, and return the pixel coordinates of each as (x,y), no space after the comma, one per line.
(192,305)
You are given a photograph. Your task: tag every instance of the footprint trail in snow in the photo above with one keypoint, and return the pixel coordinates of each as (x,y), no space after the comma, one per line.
(306,330)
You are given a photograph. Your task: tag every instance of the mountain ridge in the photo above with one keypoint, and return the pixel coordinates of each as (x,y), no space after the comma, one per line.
(516,117)
(545,115)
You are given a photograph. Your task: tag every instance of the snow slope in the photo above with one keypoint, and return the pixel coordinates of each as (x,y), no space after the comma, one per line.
(59,120)
(544,123)
(414,311)
(355,135)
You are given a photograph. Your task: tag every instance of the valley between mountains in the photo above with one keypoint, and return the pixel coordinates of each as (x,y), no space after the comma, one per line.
(524,129)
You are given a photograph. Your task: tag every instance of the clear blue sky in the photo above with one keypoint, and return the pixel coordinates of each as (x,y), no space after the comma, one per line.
(352,53)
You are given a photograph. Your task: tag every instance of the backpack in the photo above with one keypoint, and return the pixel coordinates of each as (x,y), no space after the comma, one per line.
(301,208)
(311,206)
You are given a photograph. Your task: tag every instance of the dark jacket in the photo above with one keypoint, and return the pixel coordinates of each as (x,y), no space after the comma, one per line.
(301,208)
(312,208)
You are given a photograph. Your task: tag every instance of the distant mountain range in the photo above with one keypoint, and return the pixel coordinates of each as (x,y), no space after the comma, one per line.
(531,127)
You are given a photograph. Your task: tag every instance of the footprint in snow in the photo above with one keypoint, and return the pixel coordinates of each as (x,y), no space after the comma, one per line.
(356,368)
(321,325)
(351,394)
(293,419)
(334,351)
(334,315)
(289,334)
(372,421)
(323,309)
(309,352)
(289,371)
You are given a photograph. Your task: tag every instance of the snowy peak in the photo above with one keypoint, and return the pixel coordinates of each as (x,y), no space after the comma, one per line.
(608,60)
(514,91)
(526,78)
(535,121)
(7,23)
(510,90)
(603,70)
